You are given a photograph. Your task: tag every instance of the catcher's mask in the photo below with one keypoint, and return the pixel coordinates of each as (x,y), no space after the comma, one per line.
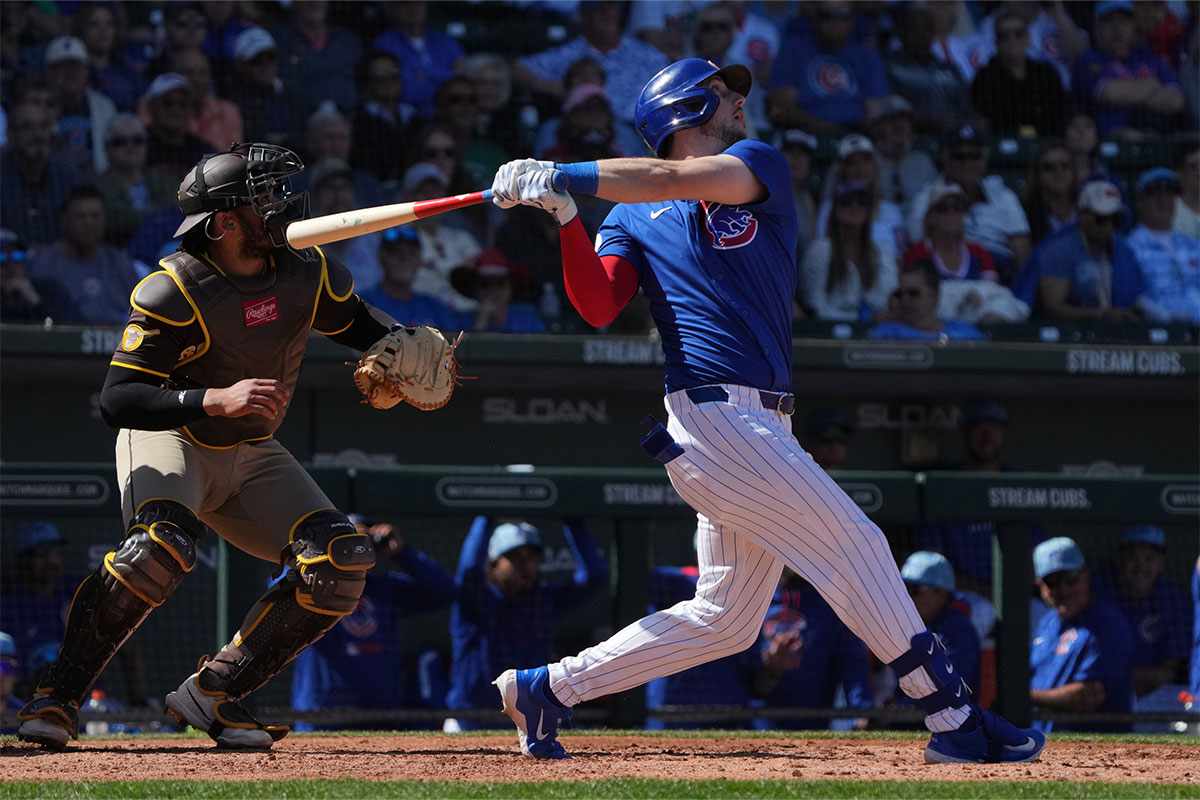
(251,174)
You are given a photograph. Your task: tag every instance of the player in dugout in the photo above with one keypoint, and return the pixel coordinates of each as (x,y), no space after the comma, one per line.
(199,384)
(708,231)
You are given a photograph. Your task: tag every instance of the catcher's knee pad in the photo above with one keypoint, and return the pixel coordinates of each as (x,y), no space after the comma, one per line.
(929,653)
(158,551)
(331,559)
(328,560)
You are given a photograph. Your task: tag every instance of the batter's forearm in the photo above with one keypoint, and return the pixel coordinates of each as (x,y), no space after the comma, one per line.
(597,293)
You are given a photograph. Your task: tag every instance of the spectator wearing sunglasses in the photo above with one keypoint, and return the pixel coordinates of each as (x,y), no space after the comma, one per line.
(25,299)
(130,191)
(1082,650)
(934,87)
(846,274)
(271,111)
(383,122)
(456,104)
(912,310)
(1051,189)
(489,281)
(1169,260)
(1017,94)
(994,216)
(170,149)
(1086,270)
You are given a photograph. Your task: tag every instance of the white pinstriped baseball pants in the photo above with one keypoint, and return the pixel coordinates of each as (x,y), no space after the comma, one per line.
(762,502)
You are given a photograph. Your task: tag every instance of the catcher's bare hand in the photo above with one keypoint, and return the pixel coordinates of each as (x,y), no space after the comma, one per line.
(265,396)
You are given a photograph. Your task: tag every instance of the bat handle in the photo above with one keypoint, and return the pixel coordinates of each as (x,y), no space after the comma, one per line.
(559,181)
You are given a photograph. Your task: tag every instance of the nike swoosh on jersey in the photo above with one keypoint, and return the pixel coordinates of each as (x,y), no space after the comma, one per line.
(659,212)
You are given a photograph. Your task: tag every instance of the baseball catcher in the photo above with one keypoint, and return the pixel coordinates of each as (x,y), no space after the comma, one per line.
(197,388)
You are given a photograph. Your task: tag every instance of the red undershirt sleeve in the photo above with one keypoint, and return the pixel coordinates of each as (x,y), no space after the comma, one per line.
(598,287)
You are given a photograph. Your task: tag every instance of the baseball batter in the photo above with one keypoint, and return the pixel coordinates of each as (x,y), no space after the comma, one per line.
(199,385)
(708,231)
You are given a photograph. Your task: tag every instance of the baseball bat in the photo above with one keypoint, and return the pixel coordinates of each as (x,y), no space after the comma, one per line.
(348,224)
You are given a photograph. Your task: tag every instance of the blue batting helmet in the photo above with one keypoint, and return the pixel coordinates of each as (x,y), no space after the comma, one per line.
(674,99)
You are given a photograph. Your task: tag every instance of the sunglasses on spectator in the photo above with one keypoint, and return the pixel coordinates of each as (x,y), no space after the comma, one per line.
(705,27)
(173,101)
(459,99)
(492,283)
(1055,166)
(911,293)
(966,155)
(860,200)
(952,207)
(1109,219)
(127,141)
(265,57)
(392,75)
(1009,33)
(1056,579)
(440,152)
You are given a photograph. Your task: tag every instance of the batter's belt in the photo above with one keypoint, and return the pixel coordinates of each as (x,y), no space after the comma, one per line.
(783,402)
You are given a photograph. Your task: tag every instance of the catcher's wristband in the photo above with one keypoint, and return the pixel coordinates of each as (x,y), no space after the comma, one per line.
(583,176)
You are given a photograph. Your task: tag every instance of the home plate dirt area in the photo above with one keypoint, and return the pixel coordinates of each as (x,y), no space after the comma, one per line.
(494,758)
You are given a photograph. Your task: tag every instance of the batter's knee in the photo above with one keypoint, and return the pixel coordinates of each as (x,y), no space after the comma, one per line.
(331,559)
(723,627)
(158,550)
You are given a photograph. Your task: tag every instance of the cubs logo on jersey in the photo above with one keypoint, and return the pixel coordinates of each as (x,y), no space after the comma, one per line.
(1065,641)
(729,227)
(362,622)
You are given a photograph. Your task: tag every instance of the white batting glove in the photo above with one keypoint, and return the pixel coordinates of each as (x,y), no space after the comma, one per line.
(505,191)
(536,190)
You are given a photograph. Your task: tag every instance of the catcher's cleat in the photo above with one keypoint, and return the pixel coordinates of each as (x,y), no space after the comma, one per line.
(985,738)
(49,720)
(221,717)
(537,719)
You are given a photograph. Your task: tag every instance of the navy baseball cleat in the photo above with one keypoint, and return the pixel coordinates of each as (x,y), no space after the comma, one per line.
(985,738)
(537,719)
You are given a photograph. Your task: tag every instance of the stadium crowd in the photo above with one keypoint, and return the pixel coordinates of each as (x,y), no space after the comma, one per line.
(956,165)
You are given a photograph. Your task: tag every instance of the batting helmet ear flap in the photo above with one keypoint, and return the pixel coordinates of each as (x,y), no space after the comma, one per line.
(674,99)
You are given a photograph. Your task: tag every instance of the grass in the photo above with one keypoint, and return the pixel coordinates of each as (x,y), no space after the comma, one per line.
(585,790)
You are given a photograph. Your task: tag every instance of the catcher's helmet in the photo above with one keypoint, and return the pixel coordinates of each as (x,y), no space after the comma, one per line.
(254,174)
(674,99)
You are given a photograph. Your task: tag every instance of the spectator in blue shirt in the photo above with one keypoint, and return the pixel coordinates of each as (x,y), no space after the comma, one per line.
(505,613)
(489,280)
(1082,649)
(930,582)
(627,62)
(426,57)
(399,258)
(317,59)
(823,81)
(1157,612)
(1086,269)
(1131,91)
(35,182)
(806,654)
(935,88)
(8,676)
(1194,670)
(1169,260)
(912,310)
(359,662)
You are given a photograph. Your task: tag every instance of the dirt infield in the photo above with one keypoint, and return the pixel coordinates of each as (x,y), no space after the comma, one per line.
(493,758)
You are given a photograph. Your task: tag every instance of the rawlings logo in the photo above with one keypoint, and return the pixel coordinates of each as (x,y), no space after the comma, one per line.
(260,311)
(730,227)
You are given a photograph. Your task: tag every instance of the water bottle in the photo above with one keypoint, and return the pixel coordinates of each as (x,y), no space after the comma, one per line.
(550,306)
(96,703)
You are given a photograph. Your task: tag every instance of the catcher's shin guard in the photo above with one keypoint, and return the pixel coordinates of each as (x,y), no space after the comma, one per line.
(328,562)
(158,550)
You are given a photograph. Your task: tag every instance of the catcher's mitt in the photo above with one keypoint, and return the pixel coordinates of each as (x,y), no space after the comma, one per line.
(416,365)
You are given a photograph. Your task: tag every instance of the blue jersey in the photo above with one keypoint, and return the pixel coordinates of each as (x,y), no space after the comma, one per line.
(1096,645)
(1194,672)
(720,279)
(1160,622)
(830,655)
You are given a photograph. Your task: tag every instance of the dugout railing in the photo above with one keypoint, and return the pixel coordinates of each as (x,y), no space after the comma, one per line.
(628,500)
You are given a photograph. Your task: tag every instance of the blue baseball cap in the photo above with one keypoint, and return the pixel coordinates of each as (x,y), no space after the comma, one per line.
(1106,7)
(508,537)
(401,233)
(8,655)
(1145,534)
(984,410)
(34,534)
(928,569)
(1155,176)
(1056,555)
